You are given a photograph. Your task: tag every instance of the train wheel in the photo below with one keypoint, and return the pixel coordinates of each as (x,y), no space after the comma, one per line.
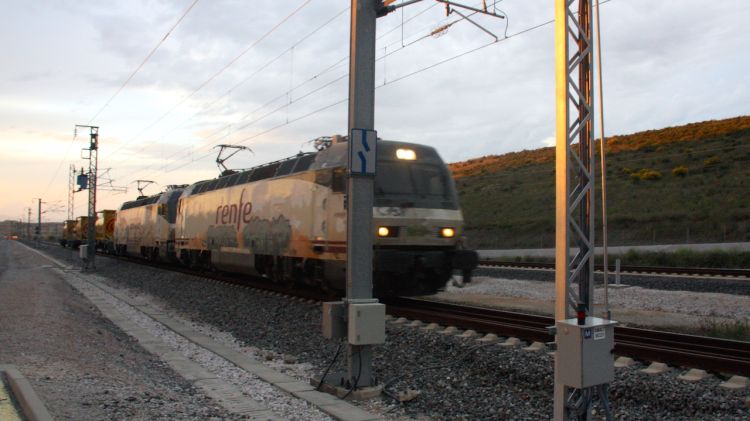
(281,276)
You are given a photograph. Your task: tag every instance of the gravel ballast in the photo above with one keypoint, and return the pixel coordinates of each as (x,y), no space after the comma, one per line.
(465,381)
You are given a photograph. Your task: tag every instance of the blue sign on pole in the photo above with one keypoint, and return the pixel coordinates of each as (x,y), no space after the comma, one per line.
(363,147)
(83,181)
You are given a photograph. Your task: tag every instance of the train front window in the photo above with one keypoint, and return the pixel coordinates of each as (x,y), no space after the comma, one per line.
(414,185)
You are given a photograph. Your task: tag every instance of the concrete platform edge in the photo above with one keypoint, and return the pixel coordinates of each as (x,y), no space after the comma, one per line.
(32,407)
(338,408)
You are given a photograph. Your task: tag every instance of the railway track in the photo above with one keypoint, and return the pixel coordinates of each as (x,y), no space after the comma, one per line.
(661,270)
(718,355)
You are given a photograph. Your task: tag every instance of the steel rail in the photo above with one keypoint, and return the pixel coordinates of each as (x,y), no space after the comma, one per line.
(630,268)
(713,354)
(718,355)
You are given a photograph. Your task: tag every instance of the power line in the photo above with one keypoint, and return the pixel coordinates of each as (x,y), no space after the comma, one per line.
(251,76)
(312,92)
(405,76)
(219,72)
(148,56)
(288,92)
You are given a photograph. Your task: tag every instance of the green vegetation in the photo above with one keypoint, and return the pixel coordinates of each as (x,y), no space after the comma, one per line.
(738,330)
(508,200)
(687,258)
(731,259)
(680,171)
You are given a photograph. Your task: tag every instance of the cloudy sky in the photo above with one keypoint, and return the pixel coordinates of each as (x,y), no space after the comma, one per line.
(271,75)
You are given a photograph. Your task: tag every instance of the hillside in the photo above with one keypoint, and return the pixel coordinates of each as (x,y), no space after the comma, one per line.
(674,185)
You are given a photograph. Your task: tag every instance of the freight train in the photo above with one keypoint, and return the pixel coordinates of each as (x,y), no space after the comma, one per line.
(75,231)
(286,221)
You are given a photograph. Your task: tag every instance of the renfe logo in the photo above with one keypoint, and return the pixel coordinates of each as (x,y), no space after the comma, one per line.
(233,214)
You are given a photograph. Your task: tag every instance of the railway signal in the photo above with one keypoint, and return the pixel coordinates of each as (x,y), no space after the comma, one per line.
(92,157)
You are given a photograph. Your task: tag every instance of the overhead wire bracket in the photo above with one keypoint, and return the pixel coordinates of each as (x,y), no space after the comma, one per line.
(106,183)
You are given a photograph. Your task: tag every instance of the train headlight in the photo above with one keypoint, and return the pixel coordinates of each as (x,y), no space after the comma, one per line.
(390,232)
(447,232)
(406,154)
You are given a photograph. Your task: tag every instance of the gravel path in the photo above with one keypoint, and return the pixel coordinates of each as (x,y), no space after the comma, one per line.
(667,283)
(466,381)
(279,402)
(688,303)
(80,364)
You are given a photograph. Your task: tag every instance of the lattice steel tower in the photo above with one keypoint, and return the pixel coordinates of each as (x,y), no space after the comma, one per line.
(93,150)
(575,175)
(71,192)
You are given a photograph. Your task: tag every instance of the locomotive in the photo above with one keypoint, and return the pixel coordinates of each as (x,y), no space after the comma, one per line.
(286,221)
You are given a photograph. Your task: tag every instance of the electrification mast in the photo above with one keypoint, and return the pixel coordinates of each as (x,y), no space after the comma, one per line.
(71,192)
(361,183)
(576,379)
(93,151)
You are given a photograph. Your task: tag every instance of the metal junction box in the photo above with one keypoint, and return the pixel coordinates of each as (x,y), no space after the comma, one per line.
(334,325)
(584,352)
(83,251)
(366,323)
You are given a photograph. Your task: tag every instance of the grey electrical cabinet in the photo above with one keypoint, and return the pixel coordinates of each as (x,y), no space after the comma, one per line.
(584,352)
(366,323)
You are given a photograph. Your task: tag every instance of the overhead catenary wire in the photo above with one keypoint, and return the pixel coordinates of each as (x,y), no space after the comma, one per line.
(603,158)
(245,80)
(146,59)
(397,79)
(137,69)
(217,73)
(288,93)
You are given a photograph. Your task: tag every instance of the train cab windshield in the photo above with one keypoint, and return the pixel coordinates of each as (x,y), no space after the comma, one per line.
(420,182)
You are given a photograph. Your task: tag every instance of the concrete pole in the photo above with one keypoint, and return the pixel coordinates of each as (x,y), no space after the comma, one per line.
(38,221)
(28,224)
(360,188)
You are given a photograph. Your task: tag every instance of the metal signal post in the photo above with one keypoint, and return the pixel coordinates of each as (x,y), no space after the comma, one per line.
(360,186)
(93,151)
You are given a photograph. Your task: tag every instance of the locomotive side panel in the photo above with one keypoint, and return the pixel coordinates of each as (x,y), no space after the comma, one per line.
(246,227)
(145,227)
(131,231)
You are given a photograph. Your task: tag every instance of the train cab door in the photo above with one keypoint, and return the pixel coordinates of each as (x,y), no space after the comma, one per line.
(336,214)
(319,218)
